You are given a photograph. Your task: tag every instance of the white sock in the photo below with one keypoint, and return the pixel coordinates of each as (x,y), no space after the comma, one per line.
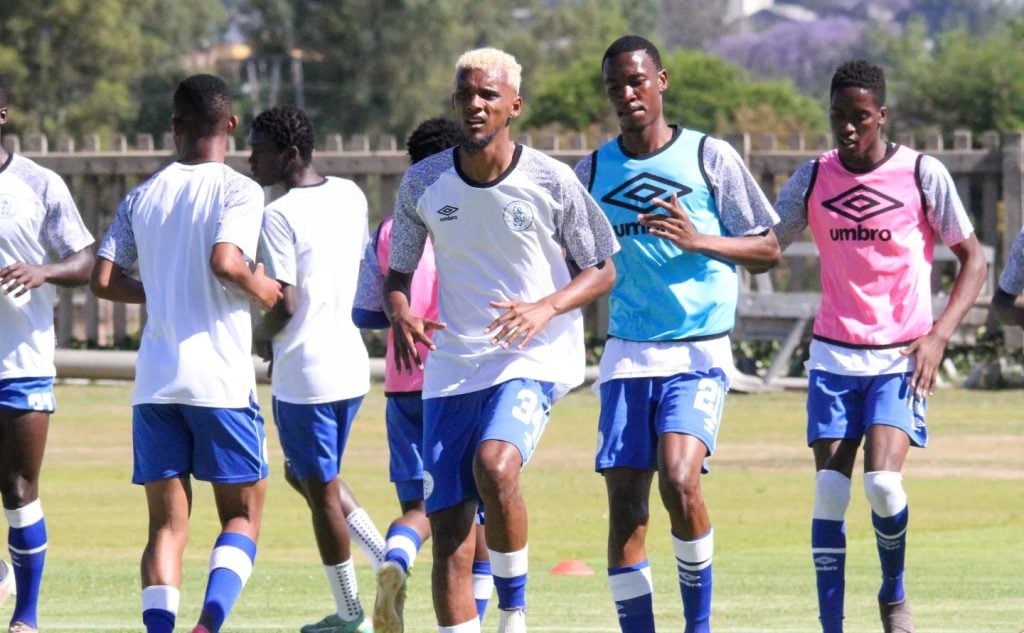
(342,580)
(473,626)
(366,535)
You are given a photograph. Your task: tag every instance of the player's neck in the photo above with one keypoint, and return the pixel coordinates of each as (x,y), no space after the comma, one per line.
(305,177)
(487,163)
(211,149)
(648,139)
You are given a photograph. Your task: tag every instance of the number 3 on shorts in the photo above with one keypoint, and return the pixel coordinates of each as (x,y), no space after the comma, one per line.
(528,411)
(708,400)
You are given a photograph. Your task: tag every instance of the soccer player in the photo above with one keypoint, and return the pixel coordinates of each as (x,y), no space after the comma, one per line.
(193,228)
(509,338)
(404,413)
(43,243)
(313,239)
(687,213)
(874,209)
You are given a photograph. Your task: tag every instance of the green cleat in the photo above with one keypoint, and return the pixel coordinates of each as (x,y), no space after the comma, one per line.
(334,624)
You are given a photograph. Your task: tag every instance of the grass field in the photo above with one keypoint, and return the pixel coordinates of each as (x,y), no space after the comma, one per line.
(965,559)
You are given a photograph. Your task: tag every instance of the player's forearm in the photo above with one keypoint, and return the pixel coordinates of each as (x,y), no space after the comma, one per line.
(966,288)
(110,281)
(588,285)
(757,253)
(73,270)
(395,294)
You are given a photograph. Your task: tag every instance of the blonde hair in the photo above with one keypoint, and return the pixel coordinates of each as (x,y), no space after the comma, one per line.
(491,59)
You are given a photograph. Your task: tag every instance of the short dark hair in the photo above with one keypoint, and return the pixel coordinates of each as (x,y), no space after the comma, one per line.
(860,73)
(630,43)
(4,94)
(432,136)
(204,103)
(288,126)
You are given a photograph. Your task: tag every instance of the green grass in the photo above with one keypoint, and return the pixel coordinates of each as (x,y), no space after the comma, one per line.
(965,557)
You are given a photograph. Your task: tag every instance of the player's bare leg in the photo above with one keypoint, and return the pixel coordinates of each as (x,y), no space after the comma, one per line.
(629,572)
(170,504)
(22,445)
(454,537)
(680,458)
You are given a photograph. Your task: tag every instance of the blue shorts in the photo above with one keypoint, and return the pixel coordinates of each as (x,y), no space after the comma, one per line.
(404,419)
(843,407)
(28,394)
(313,436)
(636,412)
(219,445)
(454,426)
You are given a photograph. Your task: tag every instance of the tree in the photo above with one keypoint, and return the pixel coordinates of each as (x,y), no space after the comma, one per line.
(79,67)
(705,93)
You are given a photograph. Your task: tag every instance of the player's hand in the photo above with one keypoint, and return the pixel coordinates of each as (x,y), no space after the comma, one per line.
(408,330)
(927,352)
(264,349)
(519,323)
(268,291)
(675,227)
(19,277)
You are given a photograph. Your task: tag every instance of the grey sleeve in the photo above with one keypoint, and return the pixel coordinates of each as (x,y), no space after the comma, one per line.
(945,212)
(742,206)
(584,168)
(241,218)
(370,284)
(118,244)
(583,227)
(64,233)
(792,205)
(408,233)
(1011,280)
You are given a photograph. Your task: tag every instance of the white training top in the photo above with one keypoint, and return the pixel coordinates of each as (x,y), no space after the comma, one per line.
(313,239)
(39,224)
(499,241)
(197,344)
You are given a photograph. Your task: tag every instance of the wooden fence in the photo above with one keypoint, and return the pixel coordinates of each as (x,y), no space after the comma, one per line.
(989,173)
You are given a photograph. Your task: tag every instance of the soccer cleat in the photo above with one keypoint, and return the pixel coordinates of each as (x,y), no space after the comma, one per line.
(7,586)
(390,602)
(21,627)
(896,617)
(334,624)
(511,621)
(200,629)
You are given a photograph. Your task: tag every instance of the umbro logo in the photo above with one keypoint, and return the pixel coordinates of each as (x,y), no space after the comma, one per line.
(447,212)
(825,560)
(861,202)
(638,193)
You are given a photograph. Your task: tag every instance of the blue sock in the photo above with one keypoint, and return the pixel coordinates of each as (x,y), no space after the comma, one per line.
(27,546)
(230,567)
(693,561)
(633,596)
(159,608)
(891,538)
(510,573)
(483,584)
(402,543)
(828,548)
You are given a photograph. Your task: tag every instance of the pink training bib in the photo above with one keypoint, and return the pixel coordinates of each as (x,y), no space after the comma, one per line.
(423,303)
(876,251)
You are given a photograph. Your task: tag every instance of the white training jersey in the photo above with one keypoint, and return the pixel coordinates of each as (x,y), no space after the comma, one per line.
(313,239)
(197,343)
(39,224)
(499,241)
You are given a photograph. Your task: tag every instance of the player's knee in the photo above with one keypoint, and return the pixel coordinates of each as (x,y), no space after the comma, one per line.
(681,481)
(831,495)
(627,511)
(18,492)
(497,472)
(884,490)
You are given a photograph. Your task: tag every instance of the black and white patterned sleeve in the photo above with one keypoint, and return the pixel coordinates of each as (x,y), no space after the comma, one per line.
(408,232)
(791,205)
(118,244)
(278,247)
(63,232)
(945,212)
(582,226)
(241,218)
(742,206)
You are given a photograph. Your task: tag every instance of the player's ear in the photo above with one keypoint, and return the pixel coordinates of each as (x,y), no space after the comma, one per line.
(517,107)
(883,115)
(232,123)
